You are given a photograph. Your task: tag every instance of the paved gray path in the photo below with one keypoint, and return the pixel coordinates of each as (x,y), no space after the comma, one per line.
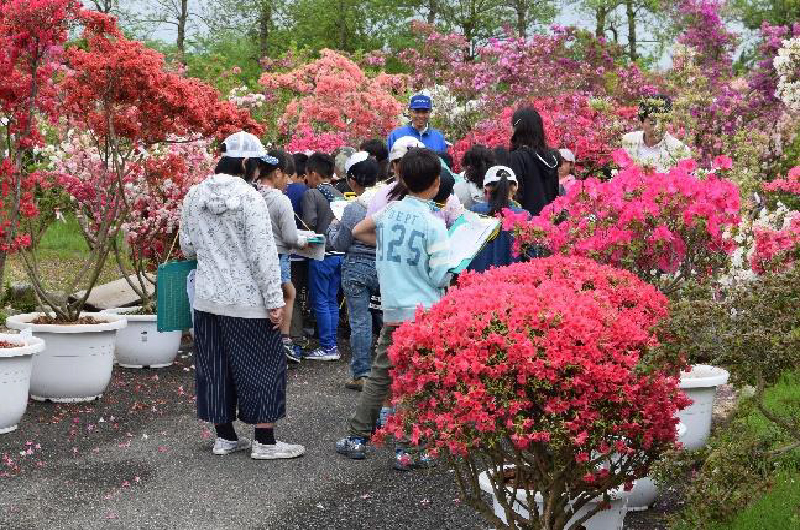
(138,458)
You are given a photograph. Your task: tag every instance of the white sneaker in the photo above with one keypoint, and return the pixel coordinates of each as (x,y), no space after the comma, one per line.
(275,452)
(226,447)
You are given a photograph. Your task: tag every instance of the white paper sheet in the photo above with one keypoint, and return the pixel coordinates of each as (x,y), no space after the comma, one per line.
(468,238)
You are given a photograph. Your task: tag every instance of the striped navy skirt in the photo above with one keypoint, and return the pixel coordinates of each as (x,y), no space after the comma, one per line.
(239,364)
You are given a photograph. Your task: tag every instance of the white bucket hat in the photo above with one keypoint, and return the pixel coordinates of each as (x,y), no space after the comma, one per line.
(244,145)
(567,155)
(402,145)
(495,174)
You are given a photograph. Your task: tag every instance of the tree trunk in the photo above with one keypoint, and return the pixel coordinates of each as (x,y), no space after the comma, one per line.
(342,24)
(183,18)
(522,19)
(468,32)
(432,11)
(632,45)
(601,15)
(264,25)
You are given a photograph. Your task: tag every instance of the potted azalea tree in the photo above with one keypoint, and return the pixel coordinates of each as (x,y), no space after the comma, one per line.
(537,394)
(31,36)
(665,228)
(117,99)
(151,235)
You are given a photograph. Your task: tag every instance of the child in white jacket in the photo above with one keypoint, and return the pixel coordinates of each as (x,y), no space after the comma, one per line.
(238,304)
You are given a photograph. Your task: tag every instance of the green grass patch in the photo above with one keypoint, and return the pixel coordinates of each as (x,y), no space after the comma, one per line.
(61,254)
(777,510)
(64,236)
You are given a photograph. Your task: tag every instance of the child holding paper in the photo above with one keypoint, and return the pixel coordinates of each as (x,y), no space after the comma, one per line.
(500,187)
(412,262)
(324,276)
(272,182)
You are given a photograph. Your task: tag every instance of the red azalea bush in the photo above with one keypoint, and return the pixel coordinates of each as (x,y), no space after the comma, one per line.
(591,127)
(118,100)
(544,375)
(32,35)
(662,227)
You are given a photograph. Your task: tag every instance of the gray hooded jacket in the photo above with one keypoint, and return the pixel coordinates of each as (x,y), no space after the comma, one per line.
(226,226)
(284,226)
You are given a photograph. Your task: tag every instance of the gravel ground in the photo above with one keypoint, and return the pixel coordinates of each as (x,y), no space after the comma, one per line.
(138,458)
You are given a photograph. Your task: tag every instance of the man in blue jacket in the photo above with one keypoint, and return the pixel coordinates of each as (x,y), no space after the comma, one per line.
(419,110)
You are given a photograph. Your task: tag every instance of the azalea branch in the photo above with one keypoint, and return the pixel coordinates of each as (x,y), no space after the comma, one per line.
(792,428)
(41,292)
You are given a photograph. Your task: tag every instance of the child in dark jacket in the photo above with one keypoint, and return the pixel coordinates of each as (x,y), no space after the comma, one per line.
(500,186)
(324,276)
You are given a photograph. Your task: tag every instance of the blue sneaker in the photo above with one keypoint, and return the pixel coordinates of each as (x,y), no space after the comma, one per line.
(324,355)
(291,351)
(354,447)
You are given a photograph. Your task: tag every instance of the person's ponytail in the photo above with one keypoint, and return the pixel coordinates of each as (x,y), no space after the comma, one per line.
(499,199)
(250,167)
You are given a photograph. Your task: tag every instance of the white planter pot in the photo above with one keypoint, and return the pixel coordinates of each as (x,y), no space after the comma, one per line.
(700,385)
(76,363)
(15,378)
(610,519)
(140,345)
(644,490)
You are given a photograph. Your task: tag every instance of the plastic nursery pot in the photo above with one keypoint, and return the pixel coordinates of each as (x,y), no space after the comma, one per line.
(15,377)
(76,363)
(609,519)
(140,345)
(644,490)
(700,385)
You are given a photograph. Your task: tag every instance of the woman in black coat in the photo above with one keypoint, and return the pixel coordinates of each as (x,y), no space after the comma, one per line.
(535,165)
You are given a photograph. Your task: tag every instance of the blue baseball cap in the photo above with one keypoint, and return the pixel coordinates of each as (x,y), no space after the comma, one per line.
(420,101)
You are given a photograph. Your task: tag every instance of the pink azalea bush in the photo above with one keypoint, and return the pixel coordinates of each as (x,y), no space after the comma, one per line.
(306,140)
(155,198)
(776,249)
(662,227)
(541,375)
(333,95)
(790,184)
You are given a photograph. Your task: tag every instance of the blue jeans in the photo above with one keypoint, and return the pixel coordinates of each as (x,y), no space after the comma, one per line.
(324,280)
(360,282)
